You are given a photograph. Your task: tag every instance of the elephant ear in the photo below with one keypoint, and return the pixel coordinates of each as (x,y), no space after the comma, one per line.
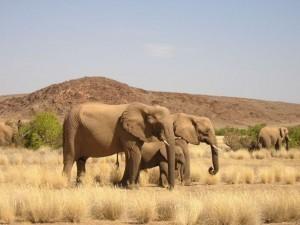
(184,127)
(283,132)
(163,152)
(133,121)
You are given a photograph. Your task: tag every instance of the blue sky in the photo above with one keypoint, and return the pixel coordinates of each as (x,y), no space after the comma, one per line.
(229,48)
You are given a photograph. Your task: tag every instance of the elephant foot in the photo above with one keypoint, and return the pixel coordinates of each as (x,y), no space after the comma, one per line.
(187,183)
(79,182)
(162,185)
(132,186)
(121,184)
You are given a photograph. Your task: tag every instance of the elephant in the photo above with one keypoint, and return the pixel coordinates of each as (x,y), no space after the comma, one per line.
(194,130)
(273,137)
(159,158)
(191,129)
(6,134)
(99,130)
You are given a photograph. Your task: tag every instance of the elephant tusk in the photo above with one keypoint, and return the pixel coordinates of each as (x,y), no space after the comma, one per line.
(216,147)
(166,142)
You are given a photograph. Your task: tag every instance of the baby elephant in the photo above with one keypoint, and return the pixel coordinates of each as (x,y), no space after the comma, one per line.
(155,154)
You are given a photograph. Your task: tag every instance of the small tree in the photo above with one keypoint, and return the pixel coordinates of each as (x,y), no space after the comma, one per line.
(44,129)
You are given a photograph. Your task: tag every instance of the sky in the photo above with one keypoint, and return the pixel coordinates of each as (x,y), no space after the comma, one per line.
(227,48)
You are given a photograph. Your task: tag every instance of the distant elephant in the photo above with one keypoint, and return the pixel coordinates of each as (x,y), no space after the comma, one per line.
(99,130)
(6,134)
(273,137)
(193,129)
(159,158)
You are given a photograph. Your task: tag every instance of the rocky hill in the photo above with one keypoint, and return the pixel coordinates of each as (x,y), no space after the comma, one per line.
(224,111)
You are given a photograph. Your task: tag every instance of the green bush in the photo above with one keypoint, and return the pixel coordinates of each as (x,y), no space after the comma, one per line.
(237,138)
(232,139)
(294,134)
(231,130)
(44,129)
(253,131)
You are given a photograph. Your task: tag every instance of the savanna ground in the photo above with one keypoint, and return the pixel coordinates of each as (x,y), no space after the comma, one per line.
(262,187)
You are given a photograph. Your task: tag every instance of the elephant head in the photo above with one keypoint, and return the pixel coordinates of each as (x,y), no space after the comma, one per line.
(284,134)
(194,130)
(151,122)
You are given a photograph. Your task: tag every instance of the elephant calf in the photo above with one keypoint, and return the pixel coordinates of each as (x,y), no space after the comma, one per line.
(155,154)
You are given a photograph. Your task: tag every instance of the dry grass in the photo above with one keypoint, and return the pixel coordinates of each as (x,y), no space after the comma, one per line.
(74,205)
(291,154)
(280,206)
(188,210)
(33,190)
(240,154)
(241,209)
(261,154)
(166,207)
(108,204)
(7,211)
(238,175)
(143,207)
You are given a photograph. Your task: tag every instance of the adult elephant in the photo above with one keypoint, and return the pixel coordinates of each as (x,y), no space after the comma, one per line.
(155,154)
(6,134)
(99,130)
(273,137)
(190,129)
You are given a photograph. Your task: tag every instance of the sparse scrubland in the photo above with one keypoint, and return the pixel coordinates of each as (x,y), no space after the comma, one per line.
(251,188)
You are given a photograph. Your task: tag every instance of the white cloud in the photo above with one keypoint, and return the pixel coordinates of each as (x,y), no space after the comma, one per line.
(160,50)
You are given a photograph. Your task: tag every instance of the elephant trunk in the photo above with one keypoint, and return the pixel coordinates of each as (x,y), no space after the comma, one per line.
(215,160)
(170,145)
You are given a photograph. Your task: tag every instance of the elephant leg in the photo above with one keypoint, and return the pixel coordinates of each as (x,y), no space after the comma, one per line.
(181,172)
(138,177)
(278,145)
(134,165)
(124,180)
(286,145)
(163,171)
(68,164)
(187,167)
(80,168)
(259,146)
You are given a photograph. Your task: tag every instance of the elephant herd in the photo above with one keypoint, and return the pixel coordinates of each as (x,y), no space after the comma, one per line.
(149,136)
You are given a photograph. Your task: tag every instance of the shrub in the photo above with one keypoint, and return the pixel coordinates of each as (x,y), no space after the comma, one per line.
(294,134)
(228,130)
(44,129)
(237,138)
(233,141)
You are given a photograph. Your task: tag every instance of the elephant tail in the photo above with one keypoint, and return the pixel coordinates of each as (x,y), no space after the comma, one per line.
(68,141)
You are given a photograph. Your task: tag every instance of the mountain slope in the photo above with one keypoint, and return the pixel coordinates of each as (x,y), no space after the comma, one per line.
(224,111)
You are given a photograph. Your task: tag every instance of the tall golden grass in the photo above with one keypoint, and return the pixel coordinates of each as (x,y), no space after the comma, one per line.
(105,173)
(74,205)
(33,190)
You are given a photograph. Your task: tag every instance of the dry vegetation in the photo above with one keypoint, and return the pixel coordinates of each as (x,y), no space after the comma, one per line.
(250,189)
